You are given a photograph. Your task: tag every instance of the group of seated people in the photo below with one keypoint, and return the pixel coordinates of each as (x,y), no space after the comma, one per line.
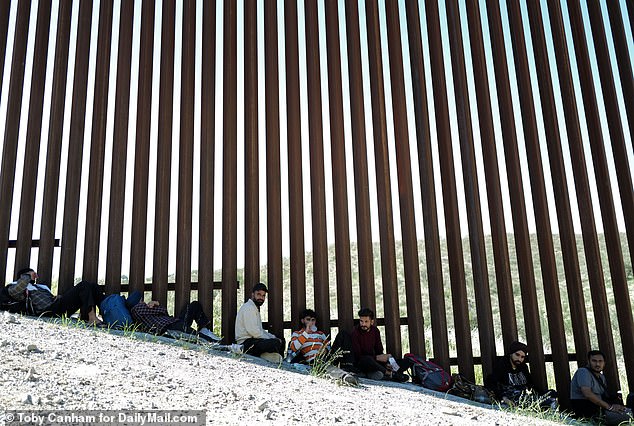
(358,353)
(510,380)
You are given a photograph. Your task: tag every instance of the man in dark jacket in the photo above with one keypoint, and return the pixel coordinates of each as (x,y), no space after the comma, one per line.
(27,296)
(511,379)
(368,351)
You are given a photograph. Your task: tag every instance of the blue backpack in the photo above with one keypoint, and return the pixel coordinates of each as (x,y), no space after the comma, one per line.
(114,311)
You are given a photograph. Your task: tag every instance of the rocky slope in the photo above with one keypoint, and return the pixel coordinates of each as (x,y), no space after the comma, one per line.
(46,366)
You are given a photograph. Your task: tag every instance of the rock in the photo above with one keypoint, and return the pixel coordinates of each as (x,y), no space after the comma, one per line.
(270,415)
(33,349)
(27,399)
(30,375)
(262,406)
(183,356)
(11,319)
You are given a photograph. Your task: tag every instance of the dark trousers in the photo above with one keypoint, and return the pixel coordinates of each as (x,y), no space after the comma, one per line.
(83,297)
(257,347)
(369,364)
(192,312)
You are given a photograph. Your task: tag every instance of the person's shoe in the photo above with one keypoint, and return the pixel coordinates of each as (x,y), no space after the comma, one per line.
(351,380)
(374,375)
(273,357)
(399,377)
(236,348)
(208,335)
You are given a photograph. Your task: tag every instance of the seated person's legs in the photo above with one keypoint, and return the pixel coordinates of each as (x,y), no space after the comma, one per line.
(257,347)
(372,369)
(85,296)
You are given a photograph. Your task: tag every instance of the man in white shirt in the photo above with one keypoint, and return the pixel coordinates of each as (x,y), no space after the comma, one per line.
(249,332)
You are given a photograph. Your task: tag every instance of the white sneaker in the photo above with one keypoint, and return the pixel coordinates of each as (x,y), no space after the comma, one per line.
(208,333)
(236,348)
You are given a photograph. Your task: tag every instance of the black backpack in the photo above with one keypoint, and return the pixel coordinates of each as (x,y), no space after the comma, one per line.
(428,374)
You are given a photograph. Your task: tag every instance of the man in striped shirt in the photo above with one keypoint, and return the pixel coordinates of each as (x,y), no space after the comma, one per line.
(307,342)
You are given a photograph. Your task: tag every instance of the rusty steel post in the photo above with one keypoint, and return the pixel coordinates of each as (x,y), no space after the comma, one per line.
(321,280)
(382,170)
(186,160)
(54,149)
(11,131)
(120,150)
(75,150)
(360,159)
(33,136)
(229,193)
(251,164)
(142,149)
(345,314)
(94,206)
(294,137)
(5,9)
(273,179)
(164,156)
(207,158)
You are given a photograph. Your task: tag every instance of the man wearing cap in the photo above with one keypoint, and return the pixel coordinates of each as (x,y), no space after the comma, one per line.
(510,377)
(250,333)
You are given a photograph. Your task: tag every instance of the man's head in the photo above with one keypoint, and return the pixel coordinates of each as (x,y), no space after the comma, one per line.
(258,294)
(308,319)
(517,353)
(366,319)
(29,271)
(596,361)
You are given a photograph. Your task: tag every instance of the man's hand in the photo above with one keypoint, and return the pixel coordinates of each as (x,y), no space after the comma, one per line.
(383,357)
(618,408)
(153,304)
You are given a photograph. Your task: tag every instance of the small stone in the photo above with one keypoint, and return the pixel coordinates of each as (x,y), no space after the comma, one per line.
(30,375)
(183,356)
(34,349)
(263,406)
(270,415)
(11,319)
(27,399)
(58,400)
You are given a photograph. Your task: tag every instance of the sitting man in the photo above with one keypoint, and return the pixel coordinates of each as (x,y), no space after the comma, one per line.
(511,380)
(308,344)
(368,351)
(28,297)
(249,331)
(156,320)
(589,393)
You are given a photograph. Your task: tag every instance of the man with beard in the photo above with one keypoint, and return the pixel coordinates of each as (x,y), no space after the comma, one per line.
(368,351)
(511,379)
(589,396)
(250,333)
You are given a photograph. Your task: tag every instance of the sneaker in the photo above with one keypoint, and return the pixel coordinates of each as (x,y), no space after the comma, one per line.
(273,357)
(399,377)
(208,335)
(236,348)
(351,380)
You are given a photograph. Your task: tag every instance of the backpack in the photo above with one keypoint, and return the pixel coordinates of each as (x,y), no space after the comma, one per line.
(114,311)
(464,388)
(428,374)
